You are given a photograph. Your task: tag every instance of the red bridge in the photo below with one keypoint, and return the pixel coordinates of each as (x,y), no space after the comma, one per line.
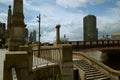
(96,45)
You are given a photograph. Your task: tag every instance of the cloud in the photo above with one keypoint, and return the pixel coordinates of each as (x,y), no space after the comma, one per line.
(118,3)
(3,10)
(30,7)
(72,3)
(77,3)
(6,1)
(107,25)
(3,17)
(71,25)
(114,12)
(48,36)
(70,18)
(98,1)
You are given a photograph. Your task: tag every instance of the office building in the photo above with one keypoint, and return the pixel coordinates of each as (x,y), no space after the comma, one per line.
(90,28)
(2,29)
(26,34)
(32,37)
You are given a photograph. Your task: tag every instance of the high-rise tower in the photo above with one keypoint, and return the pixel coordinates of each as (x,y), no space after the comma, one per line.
(90,29)
(17,27)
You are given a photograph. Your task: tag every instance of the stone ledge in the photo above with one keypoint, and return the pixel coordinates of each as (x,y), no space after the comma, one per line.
(16,52)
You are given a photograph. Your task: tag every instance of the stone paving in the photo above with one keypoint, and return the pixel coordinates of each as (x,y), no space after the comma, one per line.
(2,57)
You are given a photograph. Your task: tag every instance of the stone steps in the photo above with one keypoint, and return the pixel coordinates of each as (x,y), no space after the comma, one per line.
(91,73)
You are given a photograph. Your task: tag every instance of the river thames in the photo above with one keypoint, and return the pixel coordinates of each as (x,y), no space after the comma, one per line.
(102,57)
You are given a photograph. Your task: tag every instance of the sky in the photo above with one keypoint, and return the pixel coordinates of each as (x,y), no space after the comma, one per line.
(69,14)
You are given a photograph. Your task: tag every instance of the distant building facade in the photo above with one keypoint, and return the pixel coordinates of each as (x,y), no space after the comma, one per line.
(2,33)
(32,37)
(115,36)
(26,34)
(90,28)
(2,29)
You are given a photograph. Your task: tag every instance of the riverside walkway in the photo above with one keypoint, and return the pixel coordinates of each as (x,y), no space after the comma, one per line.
(2,57)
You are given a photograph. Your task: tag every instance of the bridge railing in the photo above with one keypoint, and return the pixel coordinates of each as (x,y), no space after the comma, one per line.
(98,42)
(77,45)
(46,56)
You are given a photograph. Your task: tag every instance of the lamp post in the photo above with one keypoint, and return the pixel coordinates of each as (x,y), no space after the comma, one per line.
(39,17)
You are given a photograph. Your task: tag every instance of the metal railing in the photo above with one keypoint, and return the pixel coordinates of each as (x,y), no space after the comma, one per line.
(46,57)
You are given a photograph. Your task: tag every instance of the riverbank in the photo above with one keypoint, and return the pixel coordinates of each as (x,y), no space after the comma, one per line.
(106,58)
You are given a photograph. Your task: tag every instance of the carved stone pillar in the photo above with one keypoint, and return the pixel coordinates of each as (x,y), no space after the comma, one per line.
(57,35)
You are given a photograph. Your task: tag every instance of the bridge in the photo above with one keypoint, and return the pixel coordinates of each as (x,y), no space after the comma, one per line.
(101,45)
(90,69)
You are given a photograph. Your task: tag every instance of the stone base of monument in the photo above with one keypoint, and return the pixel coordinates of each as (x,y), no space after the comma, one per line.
(14,44)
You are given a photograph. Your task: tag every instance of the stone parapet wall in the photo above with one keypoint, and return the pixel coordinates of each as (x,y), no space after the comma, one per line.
(22,61)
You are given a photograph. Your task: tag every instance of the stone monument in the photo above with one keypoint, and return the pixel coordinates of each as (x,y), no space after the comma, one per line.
(57,35)
(17,27)
(9,20)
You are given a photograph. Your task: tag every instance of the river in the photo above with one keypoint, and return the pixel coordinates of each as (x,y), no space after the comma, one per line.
(114,63)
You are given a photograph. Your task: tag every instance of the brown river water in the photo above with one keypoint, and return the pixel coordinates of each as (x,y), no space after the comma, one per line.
(114,62)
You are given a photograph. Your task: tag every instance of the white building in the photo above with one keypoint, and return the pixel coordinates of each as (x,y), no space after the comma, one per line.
(115,36)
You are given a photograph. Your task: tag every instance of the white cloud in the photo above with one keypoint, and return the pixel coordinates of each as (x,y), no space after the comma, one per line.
(97,1)
(30,7)
(107,25)
(71,25)
(71,21)
(3,17)
(5,1)
(48,36)
(114,12)
(118,3)
(77,3)
(72,3)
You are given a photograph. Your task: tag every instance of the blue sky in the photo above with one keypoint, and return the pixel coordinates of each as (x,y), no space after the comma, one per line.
(68,13)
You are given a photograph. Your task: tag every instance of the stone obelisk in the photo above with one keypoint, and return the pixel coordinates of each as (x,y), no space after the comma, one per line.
(9,20)
(17,30)
(18,16)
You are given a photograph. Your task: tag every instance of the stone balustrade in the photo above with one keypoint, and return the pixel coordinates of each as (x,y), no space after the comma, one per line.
(22,61)
(113,74)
